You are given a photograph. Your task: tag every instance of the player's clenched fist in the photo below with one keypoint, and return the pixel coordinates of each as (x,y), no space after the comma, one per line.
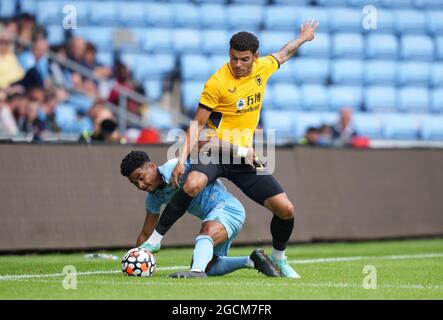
(177,175)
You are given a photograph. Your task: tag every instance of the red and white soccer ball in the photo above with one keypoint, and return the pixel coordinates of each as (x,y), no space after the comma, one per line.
(138,262)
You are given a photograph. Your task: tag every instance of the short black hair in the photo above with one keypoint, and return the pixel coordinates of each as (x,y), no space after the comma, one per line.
(244,41)
(108,126)
(132,161)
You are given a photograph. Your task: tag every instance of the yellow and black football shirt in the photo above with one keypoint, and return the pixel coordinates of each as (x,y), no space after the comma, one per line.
(235,103)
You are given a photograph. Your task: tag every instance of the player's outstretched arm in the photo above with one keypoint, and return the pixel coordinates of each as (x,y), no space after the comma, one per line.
(148,227)
(307,33)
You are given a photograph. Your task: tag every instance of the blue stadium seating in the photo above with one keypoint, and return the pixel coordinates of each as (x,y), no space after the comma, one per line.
(437,74)
(7,8)
(217,61)
(105,58)
(273,41)
(80,102)
(186,15)
(413,73)
(311,70)
(432,128)
(158,40)
(380,99)
(413,99)
(65,117)
(347,45)
(302,120)
(267,103)
(290,2)
(49,12)
(195,67)
(307,13)
(380,72)
(385,21)
(439,47)
(434,21)
(56,34)
(186,41)
(417,47)
(398,3)
(131,13)
(410,21)
(103,12)
(285,73)
(159,118)
(101,36)
(215,41)
(347,71)
(345,19)
(361,3)
(429,4)
(333,3)
(314,97)
(345,96)
(244,17)
(159,15)
(401,127)
(28,6)
(437,100)
(153,89)
(282,122)
(382,46)
(190,93)
(368,125)
(318,48)
(280,18)
(213,16)
(286,96)
(260,2)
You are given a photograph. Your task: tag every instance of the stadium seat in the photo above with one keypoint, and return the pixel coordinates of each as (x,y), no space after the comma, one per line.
(49,12)
(362,3)
(437,74)
(394,4)
(105,58)
(434,20)
(413,99)
(272,41)
(347,45)
(286,96)
(318,48)
(131,13)
(347,71)
(7,8)
(190,93)
(80,102)
(195,67)
(345,96)
(215,42)
(429,4)
(103,12)
(382,46)
(303,120)
(368,125)
(213,16)
(159,15)
(186,15)
(217,61)
(158,40)
(280,18)
(432,128)
(102,37)
(345,19)
(289,2)
(308,13)
(332,3)
(159,118)
(401,127)
(281,122)
(245,17)
(285,73)
(416,47)
(28,6)
(439,47)
(380,72)
(410,21)
(413,73)
(311,70)
(65,117)
(56,34)
(260,2)
(437,100)
(380,99)
(186,41)
(314,97)
(153,89)
(268,103)
(155,66)
(130,39)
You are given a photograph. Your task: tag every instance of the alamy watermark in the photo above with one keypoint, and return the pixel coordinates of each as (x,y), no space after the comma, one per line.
(70,279)
(370,280)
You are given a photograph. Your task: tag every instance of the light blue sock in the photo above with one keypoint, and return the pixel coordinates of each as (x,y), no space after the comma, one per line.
(203,251)
(225,265)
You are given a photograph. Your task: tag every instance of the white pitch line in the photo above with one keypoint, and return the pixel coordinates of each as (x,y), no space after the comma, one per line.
(301,261)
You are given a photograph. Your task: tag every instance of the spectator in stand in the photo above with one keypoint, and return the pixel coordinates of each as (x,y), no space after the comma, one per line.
(10,69)
(8,125)
(26,26)
(311,137)
(343,131)
(325,135)
(90,59)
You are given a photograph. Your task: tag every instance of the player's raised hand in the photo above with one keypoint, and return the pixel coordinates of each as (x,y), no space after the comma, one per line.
(307,31)
(177,175)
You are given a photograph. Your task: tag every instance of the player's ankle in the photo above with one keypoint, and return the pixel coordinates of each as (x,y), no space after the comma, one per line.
(278,254)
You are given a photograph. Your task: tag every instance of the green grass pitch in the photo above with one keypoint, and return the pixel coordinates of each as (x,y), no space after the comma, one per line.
(407,269)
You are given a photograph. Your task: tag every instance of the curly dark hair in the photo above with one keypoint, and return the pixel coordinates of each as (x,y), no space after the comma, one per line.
(244,41)
(132,161)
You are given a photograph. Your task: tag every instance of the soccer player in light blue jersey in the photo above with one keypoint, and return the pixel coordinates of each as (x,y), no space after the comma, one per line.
(222,217)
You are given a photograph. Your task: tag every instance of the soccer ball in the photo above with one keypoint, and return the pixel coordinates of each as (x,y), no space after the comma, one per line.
(138,262)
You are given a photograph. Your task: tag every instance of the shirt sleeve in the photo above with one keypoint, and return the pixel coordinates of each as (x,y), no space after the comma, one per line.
(152,204)
(270,64)
(210,95)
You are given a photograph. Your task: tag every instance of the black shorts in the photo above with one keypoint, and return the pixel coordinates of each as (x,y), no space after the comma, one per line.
(256,187)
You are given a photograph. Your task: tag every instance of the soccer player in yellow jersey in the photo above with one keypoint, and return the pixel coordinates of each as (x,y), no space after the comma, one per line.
(230,105)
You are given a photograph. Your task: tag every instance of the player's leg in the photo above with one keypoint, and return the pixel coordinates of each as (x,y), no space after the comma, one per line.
(266,191)
(198,177)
